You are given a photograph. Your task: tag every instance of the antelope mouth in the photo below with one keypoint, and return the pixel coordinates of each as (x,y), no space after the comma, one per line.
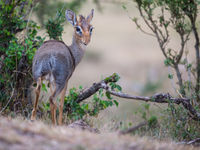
(83,43)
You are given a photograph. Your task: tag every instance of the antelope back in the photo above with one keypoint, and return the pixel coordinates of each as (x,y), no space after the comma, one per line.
(54,59)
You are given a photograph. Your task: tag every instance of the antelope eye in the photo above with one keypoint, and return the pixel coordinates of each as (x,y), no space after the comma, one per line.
(91,29)
(78,30)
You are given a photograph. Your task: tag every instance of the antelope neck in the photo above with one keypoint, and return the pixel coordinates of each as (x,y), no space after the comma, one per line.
(77,50)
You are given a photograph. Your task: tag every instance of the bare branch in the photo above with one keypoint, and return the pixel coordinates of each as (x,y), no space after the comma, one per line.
(134,128)
(1,61)
(195,142)
(194,29)
(138,26)
(8,101)
(95,87)
(162,98)
(157,98)
(180,80)
(165,27)
(154,29)
(145,20)
(141,29)
(183,42)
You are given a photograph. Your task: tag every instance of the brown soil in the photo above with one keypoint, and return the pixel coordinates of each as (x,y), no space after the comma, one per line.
(24,135)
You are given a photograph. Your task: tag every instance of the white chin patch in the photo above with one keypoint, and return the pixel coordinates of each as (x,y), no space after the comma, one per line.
(83,46)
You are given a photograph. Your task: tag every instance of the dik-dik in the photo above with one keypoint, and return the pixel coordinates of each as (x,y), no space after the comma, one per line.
(55,62)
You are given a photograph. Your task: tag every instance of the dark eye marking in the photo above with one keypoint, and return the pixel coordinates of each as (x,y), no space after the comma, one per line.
(91,29)
(79,30)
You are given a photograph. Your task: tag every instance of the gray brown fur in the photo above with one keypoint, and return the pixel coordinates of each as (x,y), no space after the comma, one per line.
(53,59)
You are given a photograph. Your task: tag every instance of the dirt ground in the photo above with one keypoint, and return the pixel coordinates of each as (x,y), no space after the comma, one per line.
(18,134)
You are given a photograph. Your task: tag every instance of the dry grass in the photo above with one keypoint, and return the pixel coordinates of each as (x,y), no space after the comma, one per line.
(22,135)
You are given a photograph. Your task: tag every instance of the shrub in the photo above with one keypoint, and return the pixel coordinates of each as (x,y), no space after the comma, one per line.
(19,41)
(162,16)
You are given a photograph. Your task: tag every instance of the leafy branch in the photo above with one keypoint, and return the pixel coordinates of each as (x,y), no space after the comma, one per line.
(107,83)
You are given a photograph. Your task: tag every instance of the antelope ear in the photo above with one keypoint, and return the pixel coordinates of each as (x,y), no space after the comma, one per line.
(90,16)
(71,17)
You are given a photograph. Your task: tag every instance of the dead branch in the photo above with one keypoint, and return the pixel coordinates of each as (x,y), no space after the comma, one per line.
(1,61)
(156,98)
(134,128)
(95,87)
(194,142)
(8,101)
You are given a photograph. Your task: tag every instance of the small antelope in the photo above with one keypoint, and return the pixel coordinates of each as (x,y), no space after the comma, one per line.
(55,62)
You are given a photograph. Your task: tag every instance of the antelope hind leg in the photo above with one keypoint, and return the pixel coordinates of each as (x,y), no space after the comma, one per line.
(53,107)
(37,92)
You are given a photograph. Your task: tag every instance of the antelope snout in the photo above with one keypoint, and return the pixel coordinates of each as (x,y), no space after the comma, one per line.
(86,40)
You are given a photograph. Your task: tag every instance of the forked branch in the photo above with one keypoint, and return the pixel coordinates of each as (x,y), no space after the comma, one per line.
(156,98)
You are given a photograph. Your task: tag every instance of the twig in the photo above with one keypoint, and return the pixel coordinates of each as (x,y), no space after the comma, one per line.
(197,42)
(141,29)
(171,81)
(134,128)
(95,87)
(1,61)
(138,26)
(195,142)
(180,80)
(15,71)
(8,101)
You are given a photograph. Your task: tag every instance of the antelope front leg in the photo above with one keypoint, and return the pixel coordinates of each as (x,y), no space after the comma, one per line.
(37,92)
(61,104)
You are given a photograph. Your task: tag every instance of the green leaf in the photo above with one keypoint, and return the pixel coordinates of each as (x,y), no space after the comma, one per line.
(85,107)
(116,103)
(152,121)
(110,103)
(124,7)
(167,62)
(105,103)
(146,106)
(134,19)
(189,66)
(44,87)
(101,92)
(108,95)
(144,115)
(119,87)
(170,76)
(80,87)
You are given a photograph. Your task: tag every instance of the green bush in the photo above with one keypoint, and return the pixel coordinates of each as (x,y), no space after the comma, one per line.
(19,41)
(54,27)
(180,17)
